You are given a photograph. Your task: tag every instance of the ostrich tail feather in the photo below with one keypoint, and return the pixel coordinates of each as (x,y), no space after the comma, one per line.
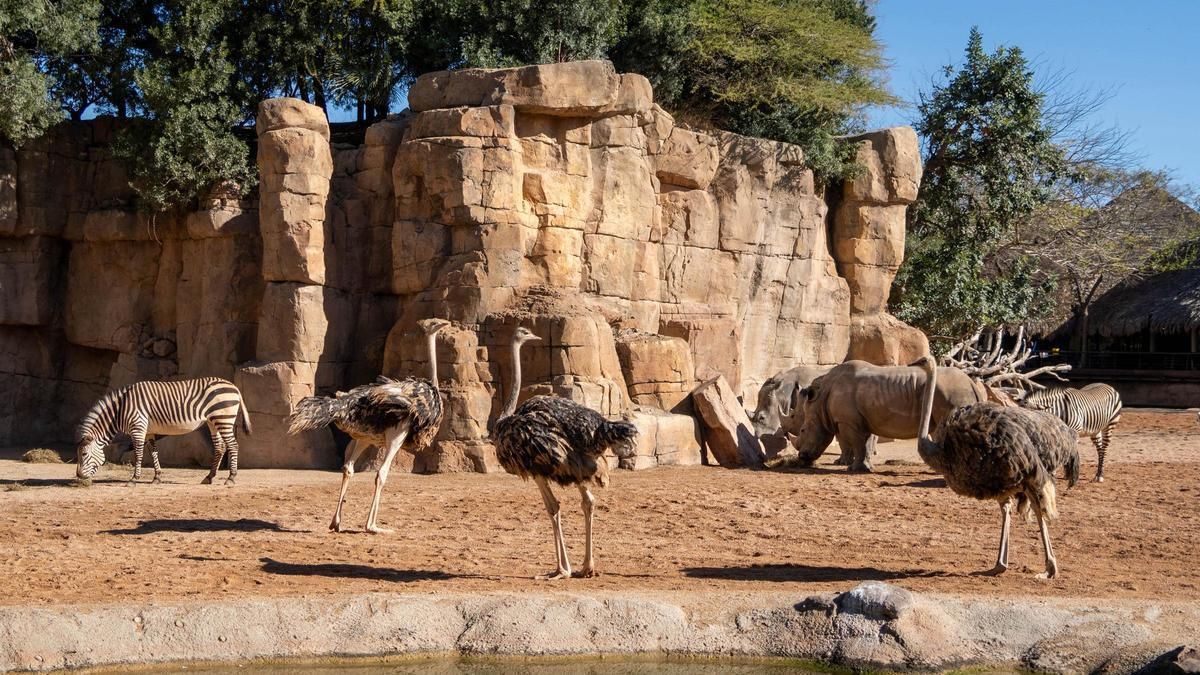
(316,412)
(620,436)
(1072,467)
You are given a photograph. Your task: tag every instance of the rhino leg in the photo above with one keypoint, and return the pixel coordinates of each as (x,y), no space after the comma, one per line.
(860,444)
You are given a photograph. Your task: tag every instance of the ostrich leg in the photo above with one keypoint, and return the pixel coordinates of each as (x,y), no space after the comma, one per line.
(352,452)
(589,560)
(394,440)
(560,546)
(1051,561)
(1002,555)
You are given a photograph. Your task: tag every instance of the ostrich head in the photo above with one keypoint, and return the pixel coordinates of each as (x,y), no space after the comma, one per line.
(522,335)
(433,326)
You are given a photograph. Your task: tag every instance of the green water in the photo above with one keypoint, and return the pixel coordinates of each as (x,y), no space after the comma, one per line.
(521,666)
(615,665)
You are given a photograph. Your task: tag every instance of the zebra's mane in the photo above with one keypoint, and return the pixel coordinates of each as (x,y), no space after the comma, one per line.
(92,418)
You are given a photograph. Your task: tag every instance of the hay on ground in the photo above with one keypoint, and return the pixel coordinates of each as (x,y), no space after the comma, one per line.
(41,456)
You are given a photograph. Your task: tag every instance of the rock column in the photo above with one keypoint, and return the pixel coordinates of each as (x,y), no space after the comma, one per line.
(868,234)
(301,318)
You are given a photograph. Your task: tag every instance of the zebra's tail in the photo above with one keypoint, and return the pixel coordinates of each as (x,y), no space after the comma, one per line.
(245,414)
(316,412)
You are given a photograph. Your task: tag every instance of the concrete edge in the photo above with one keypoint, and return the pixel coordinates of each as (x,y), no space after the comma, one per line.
(874,625)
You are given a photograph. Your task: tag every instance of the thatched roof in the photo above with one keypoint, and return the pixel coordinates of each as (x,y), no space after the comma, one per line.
(1164,303)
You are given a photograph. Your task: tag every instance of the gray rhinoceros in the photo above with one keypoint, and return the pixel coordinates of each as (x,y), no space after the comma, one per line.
(777,399)
(856,400)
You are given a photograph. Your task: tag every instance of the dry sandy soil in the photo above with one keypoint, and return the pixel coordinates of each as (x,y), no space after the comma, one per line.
(695,528)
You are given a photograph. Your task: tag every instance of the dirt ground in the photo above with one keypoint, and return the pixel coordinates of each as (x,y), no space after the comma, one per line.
(694,528)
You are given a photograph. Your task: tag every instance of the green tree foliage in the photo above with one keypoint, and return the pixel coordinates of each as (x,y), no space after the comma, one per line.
(191,95)
(190,72)
(32,32)
(800,71)
(989,163)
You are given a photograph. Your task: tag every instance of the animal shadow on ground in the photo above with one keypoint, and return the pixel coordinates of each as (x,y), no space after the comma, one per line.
(203,525)
(802,573)
(927,483)
(353,571)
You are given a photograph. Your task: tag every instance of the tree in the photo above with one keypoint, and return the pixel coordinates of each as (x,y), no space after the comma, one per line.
(32,31)
(800,71)
(989,164)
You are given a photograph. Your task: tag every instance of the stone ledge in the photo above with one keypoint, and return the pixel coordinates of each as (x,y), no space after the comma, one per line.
(875,626)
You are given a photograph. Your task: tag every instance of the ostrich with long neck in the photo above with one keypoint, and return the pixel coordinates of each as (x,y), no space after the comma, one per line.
(387,414)
(551,439)
(989,451)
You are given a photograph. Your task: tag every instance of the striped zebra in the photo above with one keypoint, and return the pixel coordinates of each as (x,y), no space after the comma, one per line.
(143,411)
(1091,411)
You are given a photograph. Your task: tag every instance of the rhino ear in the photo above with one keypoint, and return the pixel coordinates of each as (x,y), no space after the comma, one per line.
(788,403)
(800,395)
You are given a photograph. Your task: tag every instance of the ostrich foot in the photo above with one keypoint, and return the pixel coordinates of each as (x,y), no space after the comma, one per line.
(335,526)
(996,571)
(585,573)
(375,529)
(207,480)
(553,576)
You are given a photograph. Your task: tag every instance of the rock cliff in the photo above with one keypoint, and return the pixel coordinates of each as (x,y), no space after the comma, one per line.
(648,255)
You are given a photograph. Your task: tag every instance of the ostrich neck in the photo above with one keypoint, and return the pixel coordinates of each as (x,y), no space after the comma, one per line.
(926,446)
(514,389)
(433,375)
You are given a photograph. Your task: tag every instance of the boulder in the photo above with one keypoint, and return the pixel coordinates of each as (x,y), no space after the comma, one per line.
(305,323)
(288,113)
(876,600)
(728,433)
(891,161)
(110,293)
(574,89)
(884,340)
(657,369)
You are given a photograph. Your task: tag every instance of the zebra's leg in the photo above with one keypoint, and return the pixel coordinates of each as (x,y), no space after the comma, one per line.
(218,451)
(139,451)
(394,440)
(352,452)
(589,560)
(560,547)
(1100,440)
(152,441)
(231,443)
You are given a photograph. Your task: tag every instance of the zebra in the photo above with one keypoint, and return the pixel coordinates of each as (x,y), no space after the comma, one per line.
(143,411)
(1091,411)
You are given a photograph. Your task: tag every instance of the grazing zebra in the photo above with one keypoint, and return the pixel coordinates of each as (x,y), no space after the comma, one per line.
(143,411)
(1091,411)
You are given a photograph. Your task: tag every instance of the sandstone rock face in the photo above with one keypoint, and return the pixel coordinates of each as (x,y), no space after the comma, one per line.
(868,234)
(648,256)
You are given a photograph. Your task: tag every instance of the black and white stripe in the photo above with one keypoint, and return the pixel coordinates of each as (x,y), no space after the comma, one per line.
(1091,411)
(144,411)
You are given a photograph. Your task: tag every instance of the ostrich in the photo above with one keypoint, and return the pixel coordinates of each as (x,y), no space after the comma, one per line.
(388,414)
(554,439)
(989,451)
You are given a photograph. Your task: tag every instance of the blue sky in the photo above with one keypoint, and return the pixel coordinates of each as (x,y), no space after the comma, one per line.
(1145,52)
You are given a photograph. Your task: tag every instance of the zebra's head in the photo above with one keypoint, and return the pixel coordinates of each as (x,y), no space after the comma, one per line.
(89,455)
